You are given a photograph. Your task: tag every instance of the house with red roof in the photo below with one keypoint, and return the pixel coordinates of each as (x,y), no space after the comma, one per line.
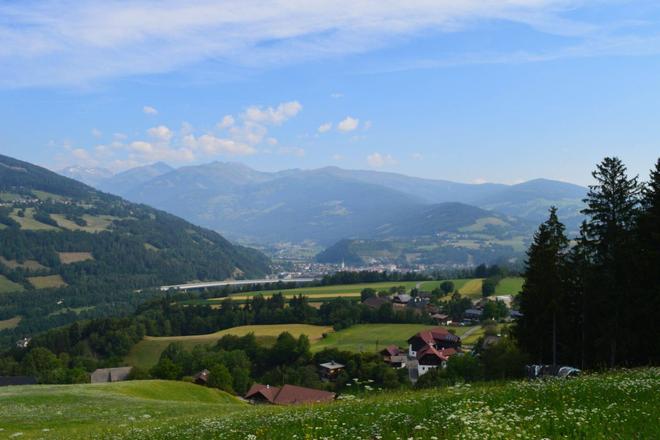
(287,395)
(431,349)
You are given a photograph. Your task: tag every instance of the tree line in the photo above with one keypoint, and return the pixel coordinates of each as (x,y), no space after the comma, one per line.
(592,300)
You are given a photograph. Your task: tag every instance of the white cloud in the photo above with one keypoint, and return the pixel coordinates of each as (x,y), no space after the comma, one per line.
(377,160)
(337,157)
(272,141)
(272,116)
(212,145)
(226,122)
(325,127)
(366,125)
(81,154)
(336,95)
(96,132)
(161,133)
(142,147)
(75,41)
(148,110)
(416,156)
(348,124)
(479,180)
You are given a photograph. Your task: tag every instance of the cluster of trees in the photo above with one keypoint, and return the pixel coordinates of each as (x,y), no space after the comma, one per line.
(593,302)
(236,362)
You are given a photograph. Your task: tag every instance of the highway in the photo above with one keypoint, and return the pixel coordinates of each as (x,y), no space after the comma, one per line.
(208,284)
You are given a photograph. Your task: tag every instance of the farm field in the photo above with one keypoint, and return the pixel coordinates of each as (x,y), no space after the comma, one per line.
(509,286)
(7,285)
(74,257)
(349,289)
(29,223)
(146,353)
(27,264)
(374,337)
(94,223)
(10,323)
(621,405)
(45,282)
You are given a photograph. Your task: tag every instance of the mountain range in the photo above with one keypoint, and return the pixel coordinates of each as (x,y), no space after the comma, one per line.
(329,204)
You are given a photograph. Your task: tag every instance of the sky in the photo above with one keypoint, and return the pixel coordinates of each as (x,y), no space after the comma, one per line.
(464,90)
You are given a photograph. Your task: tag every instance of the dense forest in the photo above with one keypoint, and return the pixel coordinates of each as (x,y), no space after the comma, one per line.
(593,301)
(88,253)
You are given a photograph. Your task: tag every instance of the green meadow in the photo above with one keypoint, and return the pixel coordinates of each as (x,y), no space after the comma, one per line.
(617,405)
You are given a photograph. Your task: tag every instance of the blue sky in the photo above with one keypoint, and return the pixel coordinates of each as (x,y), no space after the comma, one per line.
(471,91)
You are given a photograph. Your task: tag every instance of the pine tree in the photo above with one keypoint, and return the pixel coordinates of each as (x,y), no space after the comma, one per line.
(544,291)
(612,209)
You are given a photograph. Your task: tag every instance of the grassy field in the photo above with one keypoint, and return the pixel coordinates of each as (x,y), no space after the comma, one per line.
(27,264)
(45,282)
(374,337)
(94,223)
(10,323)
(350,289)
(509,286)
(146,353)
(28,222)
(618,405)
(6,285)
(74,257)
(101,410)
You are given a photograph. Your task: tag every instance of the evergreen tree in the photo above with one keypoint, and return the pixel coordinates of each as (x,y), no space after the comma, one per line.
(544,291)
(613,206)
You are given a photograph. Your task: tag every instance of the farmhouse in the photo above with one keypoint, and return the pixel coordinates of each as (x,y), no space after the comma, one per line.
(287,395)
(430,349)
(202,377)
(330,370)
(110,374)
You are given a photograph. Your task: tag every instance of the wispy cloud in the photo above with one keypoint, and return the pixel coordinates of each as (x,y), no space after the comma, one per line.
(73,42)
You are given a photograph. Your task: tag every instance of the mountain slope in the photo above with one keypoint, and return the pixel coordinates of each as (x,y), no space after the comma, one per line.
(329,204)
(91,250)
(125,181)
(92,176)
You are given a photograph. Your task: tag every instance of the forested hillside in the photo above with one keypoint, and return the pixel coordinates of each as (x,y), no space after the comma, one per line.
(84,252)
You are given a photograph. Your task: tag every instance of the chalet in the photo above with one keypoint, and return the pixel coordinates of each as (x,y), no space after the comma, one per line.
(6,381)
(330,370)
(23,343)
(441,318)
(398,361)
(429,357)
(201,378)
(389,351)
(287,395)
(401,298)
(375,302)
(110,374)
(438,338)
(473,314)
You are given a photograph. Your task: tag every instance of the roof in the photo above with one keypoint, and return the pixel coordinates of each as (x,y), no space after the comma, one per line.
(435,334)
(402,298)
(332,365)
(290,394)
(110,374)
(473,312)
(375,302)
(439,316)
(391,350)
(202,375)
(399,359)
(17,380)
(429,350)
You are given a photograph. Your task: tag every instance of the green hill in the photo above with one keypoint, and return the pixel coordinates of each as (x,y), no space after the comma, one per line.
(80,248)
(619,405)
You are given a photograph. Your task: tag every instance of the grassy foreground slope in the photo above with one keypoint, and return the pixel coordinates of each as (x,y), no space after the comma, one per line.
(619,405)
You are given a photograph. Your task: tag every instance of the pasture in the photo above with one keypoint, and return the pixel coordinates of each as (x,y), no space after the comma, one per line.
(74,257)
(509,286)
(7,285)
(615,405)
(374,337)
(8,324)
(27,264)
(146,353)
(94,223)
(47,282)
(29,223)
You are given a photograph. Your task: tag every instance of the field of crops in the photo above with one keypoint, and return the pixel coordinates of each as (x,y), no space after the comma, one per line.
(618,405)
(7,285)
(46,282)
(146,353)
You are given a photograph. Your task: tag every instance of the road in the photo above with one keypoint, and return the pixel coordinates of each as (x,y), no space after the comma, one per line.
(207,284)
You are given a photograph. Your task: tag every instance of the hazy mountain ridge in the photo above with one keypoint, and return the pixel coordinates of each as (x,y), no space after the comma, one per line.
(331,203)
